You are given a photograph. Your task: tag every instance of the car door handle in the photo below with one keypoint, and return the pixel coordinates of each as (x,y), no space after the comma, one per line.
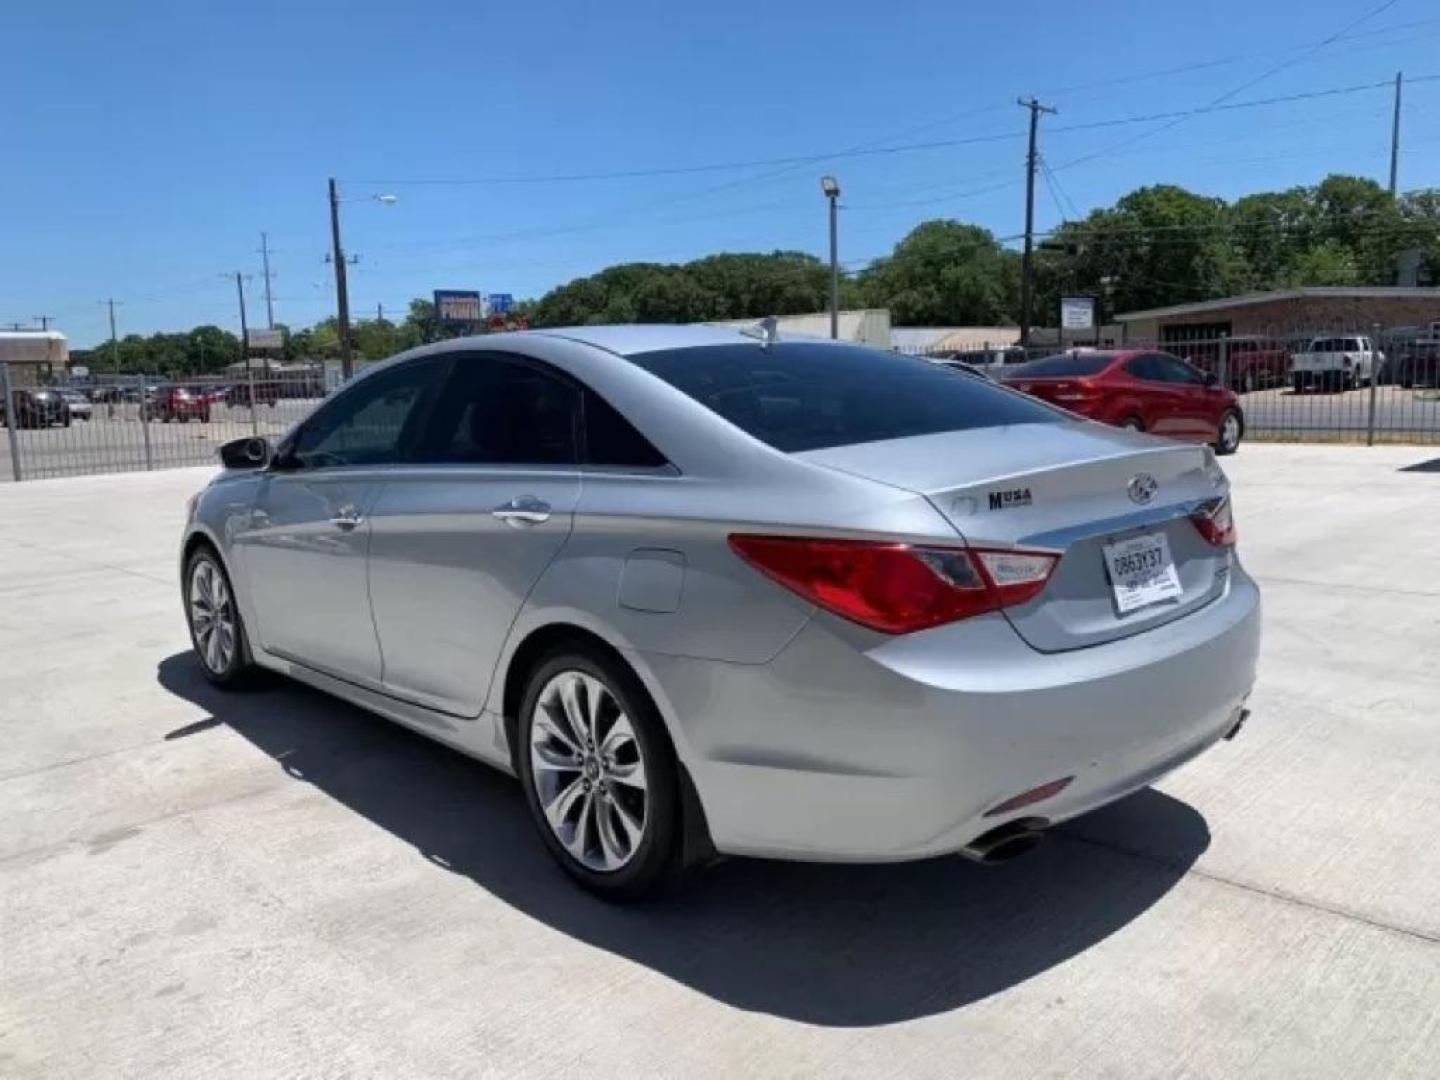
(347,518)
(525,510)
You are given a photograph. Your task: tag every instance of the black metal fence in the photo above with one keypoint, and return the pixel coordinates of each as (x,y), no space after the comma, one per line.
(1376,385)
(127,424)
(1380,385)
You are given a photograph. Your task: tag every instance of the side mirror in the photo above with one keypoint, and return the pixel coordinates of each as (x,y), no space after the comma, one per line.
(248,453)
(1211,379)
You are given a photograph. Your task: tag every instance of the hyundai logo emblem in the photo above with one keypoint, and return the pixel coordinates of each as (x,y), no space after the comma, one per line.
(1142,488)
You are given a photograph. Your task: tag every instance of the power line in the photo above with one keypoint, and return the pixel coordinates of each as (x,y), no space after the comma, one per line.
(1216,103)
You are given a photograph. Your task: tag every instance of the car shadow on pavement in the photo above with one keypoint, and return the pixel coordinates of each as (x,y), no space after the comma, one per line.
(847,946)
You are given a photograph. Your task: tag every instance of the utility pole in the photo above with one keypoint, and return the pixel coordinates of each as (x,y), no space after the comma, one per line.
(831,187)
(342,292)
(1395,138)
(379,312)
(265,261)
(44,321)
(1026,269)
(244,330)
(114,341)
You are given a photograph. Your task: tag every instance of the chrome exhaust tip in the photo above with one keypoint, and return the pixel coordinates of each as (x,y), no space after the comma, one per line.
(1007,842)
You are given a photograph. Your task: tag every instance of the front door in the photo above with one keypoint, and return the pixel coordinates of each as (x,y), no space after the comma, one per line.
(307,540)
(461,534)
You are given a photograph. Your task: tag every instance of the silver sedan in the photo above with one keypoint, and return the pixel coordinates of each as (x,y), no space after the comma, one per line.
(703,591)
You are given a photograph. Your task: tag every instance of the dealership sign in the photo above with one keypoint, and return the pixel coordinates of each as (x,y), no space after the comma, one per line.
(458,306)
(265,339)
(1077,312)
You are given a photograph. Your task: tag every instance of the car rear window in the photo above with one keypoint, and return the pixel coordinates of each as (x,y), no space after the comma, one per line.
(800,396)
(1069,365)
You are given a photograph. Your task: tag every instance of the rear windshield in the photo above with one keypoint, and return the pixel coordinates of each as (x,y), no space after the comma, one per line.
(807,396)
(1056,367)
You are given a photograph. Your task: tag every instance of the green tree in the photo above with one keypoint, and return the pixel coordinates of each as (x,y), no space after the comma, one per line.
(945,273)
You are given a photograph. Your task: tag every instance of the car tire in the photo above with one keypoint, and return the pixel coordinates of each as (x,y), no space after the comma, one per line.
(1232,430)
(225,659)
(1133,423)
(600,815)
(1297,384)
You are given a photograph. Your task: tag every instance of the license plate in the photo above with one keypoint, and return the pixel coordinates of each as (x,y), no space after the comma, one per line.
(1141,572)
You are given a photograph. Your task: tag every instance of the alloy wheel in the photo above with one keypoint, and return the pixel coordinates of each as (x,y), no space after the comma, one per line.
(588,771)
(1230,431)
(212,616)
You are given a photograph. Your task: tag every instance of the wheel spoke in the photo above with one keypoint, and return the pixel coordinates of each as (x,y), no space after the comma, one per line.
(580,837)
(614,850)
(619,736)
(574,711)
(560,806)
(633,826)
(544,732)
(212,652)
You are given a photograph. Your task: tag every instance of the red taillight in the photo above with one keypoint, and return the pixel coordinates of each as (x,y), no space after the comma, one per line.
(897,588)
(1214,521)
(1074,392)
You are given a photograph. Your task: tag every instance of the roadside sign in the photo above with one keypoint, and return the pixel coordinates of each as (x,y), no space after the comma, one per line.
(79,371)
(265,339)
(501,302)
(458,306)
(1077,312)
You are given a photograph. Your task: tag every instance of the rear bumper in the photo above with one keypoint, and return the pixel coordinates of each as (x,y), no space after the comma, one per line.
(897,749)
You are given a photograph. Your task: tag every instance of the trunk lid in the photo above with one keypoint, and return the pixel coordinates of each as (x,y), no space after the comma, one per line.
(1063,487)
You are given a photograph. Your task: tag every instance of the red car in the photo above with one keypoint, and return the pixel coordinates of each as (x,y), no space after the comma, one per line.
(1140,389)
(178,403)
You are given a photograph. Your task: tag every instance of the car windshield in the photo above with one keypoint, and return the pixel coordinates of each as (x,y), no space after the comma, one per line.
(1068,365)
(799,396)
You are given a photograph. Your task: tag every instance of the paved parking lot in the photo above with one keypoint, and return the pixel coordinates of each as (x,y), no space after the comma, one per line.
(274,884)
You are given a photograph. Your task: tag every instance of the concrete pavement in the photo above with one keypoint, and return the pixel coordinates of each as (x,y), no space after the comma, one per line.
(274,884)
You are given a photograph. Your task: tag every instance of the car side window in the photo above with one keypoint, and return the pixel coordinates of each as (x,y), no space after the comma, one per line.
(366,424)
(612,440)
(1145,367)
(1177,371)
(496,410)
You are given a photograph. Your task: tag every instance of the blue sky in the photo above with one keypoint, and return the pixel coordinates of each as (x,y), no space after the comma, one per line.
(146,145)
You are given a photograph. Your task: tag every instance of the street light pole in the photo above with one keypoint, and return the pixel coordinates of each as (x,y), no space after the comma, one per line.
(265,261)
(831,187)
(342,292)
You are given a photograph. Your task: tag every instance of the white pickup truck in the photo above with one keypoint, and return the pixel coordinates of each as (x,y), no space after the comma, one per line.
(1335,363)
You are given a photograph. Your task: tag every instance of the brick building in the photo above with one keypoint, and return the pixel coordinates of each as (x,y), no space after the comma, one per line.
(1286,313)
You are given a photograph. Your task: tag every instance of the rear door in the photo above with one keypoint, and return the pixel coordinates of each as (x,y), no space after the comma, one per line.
(462,531)
(1195,400)
(1162,401)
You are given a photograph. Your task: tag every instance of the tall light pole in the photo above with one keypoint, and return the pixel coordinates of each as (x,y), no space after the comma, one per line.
(1395,137)
(265,262)
(342,291)
(244,330)
(831,187)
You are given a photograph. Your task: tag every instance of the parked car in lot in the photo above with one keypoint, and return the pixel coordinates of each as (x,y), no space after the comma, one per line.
(701,592)
(265,392)
(180,403)
(1140,389)
(78,404)
(1335,363)
(36,409)
(1417,363)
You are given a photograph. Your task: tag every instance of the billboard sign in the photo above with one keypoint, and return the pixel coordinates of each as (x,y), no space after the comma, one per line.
(1077,313)
(501,303)
(265,339)
(458,306)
